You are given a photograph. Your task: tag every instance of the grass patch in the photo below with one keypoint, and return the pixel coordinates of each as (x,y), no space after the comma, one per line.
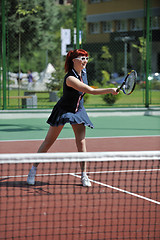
(137,98)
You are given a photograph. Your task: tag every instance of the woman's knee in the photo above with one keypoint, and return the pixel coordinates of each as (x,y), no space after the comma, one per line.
(81,145)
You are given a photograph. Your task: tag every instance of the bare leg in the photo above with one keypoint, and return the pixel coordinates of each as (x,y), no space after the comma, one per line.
(79,131)
(51,137)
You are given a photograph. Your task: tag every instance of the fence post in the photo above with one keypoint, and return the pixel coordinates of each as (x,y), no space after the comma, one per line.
(4,55)
(77,24)
(147,51)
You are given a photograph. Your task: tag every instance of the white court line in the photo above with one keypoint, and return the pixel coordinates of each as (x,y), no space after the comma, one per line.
(72,138)
(102,184)
(123,171)
(59,174)
(120,190)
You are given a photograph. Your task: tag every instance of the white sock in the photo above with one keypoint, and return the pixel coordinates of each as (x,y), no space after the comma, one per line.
(84,174)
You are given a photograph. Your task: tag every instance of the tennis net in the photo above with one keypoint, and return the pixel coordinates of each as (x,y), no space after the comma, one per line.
(122,203)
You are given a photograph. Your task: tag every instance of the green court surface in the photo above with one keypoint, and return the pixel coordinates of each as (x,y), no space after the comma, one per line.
(106,126)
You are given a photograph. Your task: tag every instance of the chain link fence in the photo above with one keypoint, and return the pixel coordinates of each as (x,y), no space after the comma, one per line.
(34,64)
(126,41)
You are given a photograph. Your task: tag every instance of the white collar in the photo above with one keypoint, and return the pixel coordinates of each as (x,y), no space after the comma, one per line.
(77,76)
(75,73)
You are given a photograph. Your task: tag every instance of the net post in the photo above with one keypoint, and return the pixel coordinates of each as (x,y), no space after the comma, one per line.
(4,55)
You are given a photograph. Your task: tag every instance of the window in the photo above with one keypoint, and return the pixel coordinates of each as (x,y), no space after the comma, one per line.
(121,25)
(107,27)
(156,22)
(94,1)
(136,24)
(94,28)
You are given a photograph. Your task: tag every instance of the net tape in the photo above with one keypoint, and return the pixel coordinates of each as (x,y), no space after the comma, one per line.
(79,156)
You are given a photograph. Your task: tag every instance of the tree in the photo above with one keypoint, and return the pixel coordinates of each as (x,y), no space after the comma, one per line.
(141,47)
(107,56)
(33,32)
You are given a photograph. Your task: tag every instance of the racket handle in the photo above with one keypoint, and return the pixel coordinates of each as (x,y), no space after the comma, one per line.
(118,90)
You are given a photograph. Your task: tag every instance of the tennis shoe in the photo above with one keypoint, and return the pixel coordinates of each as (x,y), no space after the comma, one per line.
(31,177)
(85,181)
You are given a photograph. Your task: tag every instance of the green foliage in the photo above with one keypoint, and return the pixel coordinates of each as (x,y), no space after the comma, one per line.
(85,97)
(22,11)
(106,77)
(141,47)
(155,85)
(100,66)
(106,53)
(57,80)
(33,32)
(110,99)
(60,93)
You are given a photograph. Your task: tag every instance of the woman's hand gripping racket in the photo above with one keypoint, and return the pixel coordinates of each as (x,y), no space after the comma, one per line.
(129,83)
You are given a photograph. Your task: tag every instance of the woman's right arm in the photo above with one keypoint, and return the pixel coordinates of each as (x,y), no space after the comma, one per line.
(82,87)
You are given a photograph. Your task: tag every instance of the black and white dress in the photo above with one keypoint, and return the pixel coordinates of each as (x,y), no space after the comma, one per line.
(70,109)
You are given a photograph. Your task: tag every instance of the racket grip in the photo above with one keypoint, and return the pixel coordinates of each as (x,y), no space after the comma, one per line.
(118,90)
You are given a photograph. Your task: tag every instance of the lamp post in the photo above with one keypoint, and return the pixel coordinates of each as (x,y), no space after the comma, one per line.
(125,39)
(147,51)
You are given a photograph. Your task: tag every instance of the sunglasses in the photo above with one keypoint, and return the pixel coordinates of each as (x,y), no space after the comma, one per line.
(83,58)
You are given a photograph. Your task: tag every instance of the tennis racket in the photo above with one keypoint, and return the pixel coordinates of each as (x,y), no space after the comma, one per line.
(129,83)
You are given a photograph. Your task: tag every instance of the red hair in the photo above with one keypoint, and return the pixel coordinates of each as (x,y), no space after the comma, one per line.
(71,55)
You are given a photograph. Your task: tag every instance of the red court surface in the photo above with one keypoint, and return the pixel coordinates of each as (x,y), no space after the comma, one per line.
(123,202)
(93,145)
(58,207)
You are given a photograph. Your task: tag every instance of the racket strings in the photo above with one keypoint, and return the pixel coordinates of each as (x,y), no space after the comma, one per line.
(129,84)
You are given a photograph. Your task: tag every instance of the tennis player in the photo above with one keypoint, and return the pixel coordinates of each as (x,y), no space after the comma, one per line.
(70,109)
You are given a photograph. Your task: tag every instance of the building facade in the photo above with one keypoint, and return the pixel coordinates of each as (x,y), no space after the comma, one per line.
(120,24)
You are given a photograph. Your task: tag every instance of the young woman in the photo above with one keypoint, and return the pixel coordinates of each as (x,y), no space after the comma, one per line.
(70,109)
